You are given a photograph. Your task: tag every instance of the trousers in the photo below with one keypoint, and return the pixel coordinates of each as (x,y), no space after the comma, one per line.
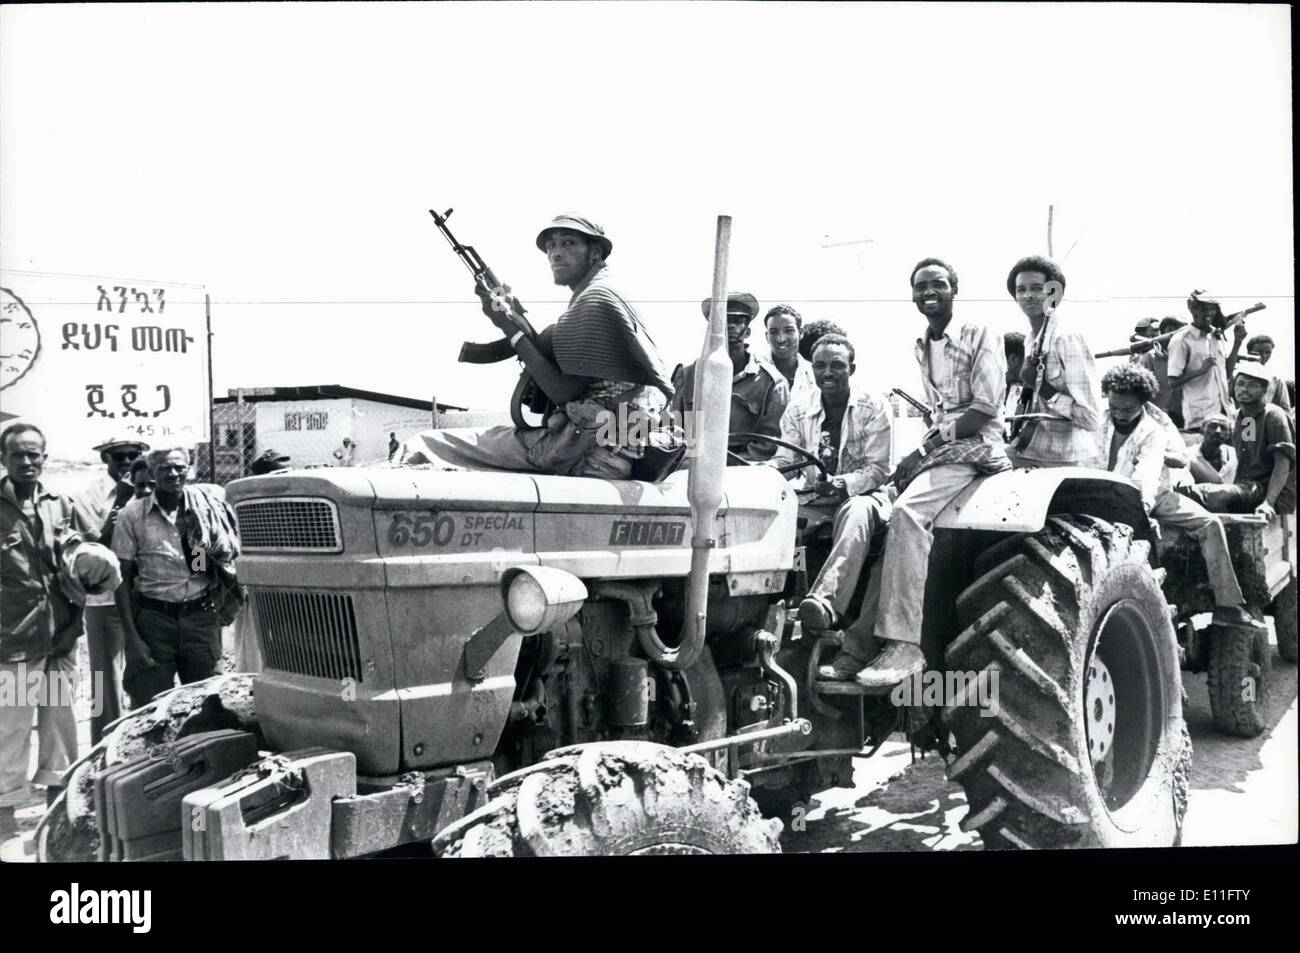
(104,641)
(1174,509)
(506,448)
(186,645)
(907,549)
(56,725)
(858,521)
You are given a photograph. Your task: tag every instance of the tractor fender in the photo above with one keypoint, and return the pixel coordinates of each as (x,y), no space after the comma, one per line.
(1019,501)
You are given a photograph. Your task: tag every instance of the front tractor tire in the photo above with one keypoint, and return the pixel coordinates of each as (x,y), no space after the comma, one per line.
(1083,743)
(615,798)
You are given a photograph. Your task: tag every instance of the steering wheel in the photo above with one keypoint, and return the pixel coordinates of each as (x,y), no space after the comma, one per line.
(810,459)
(527,395)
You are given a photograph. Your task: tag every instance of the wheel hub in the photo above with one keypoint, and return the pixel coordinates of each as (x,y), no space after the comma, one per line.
(1099,705)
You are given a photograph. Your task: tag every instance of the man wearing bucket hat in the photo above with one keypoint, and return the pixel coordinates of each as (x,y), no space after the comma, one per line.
(100,504)
(1263,439)
(1197,365)
(759,392)
(601,370)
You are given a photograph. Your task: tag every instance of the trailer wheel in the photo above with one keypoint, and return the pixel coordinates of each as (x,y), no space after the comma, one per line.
(1238,671)
(1283,611)
(619,798)
(1081,741)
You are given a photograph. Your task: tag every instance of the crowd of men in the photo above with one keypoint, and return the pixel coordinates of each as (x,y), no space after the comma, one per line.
(143,560)
(1199,431)
(140,561)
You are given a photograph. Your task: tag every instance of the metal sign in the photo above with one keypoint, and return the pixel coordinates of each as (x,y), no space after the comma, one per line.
(86,359)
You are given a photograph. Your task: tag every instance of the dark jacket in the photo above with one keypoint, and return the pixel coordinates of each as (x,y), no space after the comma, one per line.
(33,606)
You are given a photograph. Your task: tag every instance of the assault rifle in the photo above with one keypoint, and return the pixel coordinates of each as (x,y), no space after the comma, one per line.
(1146,344)
(526,393)
(500,349)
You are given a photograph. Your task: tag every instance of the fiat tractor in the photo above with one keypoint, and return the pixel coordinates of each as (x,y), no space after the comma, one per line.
(465,664)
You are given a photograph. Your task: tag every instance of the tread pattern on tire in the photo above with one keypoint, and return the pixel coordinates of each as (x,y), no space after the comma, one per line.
(1021,765)
(613,798)
(1233,662)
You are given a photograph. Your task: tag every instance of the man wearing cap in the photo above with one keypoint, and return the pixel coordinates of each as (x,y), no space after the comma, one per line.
(1197,365)
(759,393)
(47,569)
(100,504)
(1153,357)
(1066,391)
(1260,348)
(601,367)
(1263,439)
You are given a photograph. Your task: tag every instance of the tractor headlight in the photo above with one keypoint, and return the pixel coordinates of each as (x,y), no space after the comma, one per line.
(539,598)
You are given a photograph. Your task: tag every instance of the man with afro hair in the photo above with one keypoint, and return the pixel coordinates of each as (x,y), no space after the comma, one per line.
(1060,370)
(1138,441)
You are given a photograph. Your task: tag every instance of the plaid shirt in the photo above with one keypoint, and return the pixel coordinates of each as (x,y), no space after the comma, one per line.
(976,380)
(1072,371)
(1209,393)
(1141,457)
(866,437)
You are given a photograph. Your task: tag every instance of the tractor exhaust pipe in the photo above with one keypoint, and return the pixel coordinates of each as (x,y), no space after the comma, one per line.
(712,399)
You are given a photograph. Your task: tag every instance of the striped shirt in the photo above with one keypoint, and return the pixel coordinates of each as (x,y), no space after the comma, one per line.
(1072,371)
(974,379)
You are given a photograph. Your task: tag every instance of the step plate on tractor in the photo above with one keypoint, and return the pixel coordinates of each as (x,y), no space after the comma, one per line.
(138,802)
(277,809)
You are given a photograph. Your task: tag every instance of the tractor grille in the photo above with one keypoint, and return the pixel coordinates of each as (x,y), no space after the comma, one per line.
(308,633)
(289,524)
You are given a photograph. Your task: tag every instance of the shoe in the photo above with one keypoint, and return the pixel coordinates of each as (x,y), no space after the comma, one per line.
(816,613)
(1237,617)
(896,662)
(842,668)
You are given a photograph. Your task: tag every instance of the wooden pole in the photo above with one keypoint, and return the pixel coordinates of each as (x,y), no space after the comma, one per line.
(1050,209)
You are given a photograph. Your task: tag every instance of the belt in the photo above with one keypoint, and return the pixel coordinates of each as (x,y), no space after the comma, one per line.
(202,604)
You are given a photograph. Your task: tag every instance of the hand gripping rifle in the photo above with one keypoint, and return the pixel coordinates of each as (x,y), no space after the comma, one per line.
(1145,344)
(526,393)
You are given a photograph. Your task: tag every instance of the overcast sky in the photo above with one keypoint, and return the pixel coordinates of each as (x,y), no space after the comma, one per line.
(285,156)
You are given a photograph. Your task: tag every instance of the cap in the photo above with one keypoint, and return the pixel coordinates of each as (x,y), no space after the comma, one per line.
(1252,369)
(1146,324)
(269,462)
(576,223)
(1203,297)
(740,302)
(119,443)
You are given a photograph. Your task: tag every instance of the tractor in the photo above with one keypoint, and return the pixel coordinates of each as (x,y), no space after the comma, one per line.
(514,664)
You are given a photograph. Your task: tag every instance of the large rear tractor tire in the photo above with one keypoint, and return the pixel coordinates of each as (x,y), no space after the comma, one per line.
(1080,740)
(616,798)
(1283,611)
(1238,672)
